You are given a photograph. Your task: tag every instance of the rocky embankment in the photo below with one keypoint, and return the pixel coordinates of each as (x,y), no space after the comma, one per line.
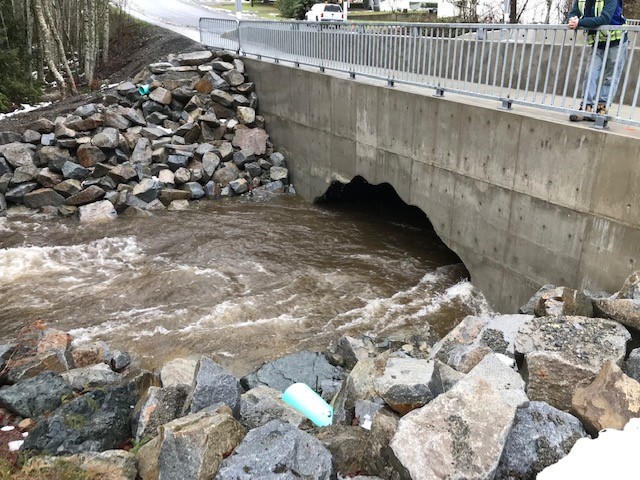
(501,396)
(190,132)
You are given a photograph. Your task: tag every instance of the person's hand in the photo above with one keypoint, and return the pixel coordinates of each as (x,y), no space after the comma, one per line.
(573,23)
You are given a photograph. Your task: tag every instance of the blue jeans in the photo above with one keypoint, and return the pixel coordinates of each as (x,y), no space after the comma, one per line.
(612,74)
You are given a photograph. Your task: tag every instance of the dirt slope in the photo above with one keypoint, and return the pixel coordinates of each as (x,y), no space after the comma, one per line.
(136,46)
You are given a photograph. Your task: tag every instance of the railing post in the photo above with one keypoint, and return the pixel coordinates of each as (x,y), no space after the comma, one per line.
(439,92)
(506,104)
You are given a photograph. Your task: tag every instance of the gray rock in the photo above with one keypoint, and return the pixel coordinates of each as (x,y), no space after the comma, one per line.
(48,178)
(75,171)
(31,136)
(161,95)
(625,311)
(96,421)
(460,434)
(107,138)
(191,447)
(305,367)
(68,188)
(528,308)
(262,404)
(563,301)
(254,169)
(147,190)
(88,195)
(43,197)
(540,436)
(240,158)
(631,366)
(239,186)
(195,190)
(93,376)
(119,360)
(498,332)
(123,173)
(277,159)
(279,174)
(80,124)
(24,174)
(18,154)
(42,125)
(560,352)
(179,371)
(142,152)
(33,397)
(222,65)
(115,120)
(347,445)
(16,194)
(404,383)
(213,384)
(169,195)
(225,175)
(182,175)
(135,117)
(177,161)
(9,137)
(225,151)
(195,58)
(98,212)
(210,163)
(233,77)
(47,139)
(87,110)
(444,378)
(209,82)
(347,351)
(3,212)
(277,450)
(254,140)
(54,157)
(157,407)
(222,97)
(631,287)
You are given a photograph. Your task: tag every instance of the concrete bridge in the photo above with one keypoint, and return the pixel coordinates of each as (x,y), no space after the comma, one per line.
(523,197)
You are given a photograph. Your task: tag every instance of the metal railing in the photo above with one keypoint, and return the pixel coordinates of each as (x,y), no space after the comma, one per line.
(539,66)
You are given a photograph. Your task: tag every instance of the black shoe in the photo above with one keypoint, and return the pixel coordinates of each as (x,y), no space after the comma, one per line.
(577,118)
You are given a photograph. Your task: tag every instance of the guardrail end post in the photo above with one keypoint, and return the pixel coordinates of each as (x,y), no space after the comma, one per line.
(390,82)
(297,64)
(506,104)
(439,92)
(352,75)
(276,60)
(322,69)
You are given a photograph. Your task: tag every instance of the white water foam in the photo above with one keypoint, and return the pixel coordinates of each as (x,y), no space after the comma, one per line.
(411,306)
(100,256)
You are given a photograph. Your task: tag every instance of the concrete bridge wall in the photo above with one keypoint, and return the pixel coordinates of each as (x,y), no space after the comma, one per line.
(523,201)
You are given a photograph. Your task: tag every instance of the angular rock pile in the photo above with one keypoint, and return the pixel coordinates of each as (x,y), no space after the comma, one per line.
(194,134)
(501,396)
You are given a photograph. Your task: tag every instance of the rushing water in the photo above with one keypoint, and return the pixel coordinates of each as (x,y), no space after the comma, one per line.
(240,280)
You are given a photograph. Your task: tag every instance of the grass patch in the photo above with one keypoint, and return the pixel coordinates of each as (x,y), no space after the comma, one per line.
(58,470)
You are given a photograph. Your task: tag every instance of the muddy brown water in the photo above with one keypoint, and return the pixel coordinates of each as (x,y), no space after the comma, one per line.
(241,280)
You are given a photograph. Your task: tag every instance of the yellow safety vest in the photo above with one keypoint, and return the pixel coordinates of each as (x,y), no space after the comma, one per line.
(597,9)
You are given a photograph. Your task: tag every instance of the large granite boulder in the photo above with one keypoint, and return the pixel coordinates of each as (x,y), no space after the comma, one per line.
(560,352)
(213,384)
(301,367)
(540,436)
(262,404)
(179,371)
(94,422)
(404,383)
(157,407)
(36,396)
(498,332)
(278,450)
(610,401)
(191,447)
(461,434)
(98,212)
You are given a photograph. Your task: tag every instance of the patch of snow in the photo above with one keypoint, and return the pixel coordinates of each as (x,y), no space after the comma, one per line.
(15,445)
(8,428)
(25,108)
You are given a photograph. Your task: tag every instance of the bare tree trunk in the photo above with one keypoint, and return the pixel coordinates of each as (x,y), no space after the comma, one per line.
(105,32)
(47,44)
(90,40)
(29,25)
(61,52)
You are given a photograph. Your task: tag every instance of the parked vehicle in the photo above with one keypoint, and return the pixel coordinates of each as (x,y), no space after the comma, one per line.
(325,12)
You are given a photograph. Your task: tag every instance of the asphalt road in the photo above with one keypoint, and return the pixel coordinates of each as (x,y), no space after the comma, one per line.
(180,16)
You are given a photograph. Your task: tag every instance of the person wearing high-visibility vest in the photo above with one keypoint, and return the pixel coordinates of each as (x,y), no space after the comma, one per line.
(591,14)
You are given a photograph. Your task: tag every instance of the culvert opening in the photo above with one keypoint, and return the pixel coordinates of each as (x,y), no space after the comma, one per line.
(444,295)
